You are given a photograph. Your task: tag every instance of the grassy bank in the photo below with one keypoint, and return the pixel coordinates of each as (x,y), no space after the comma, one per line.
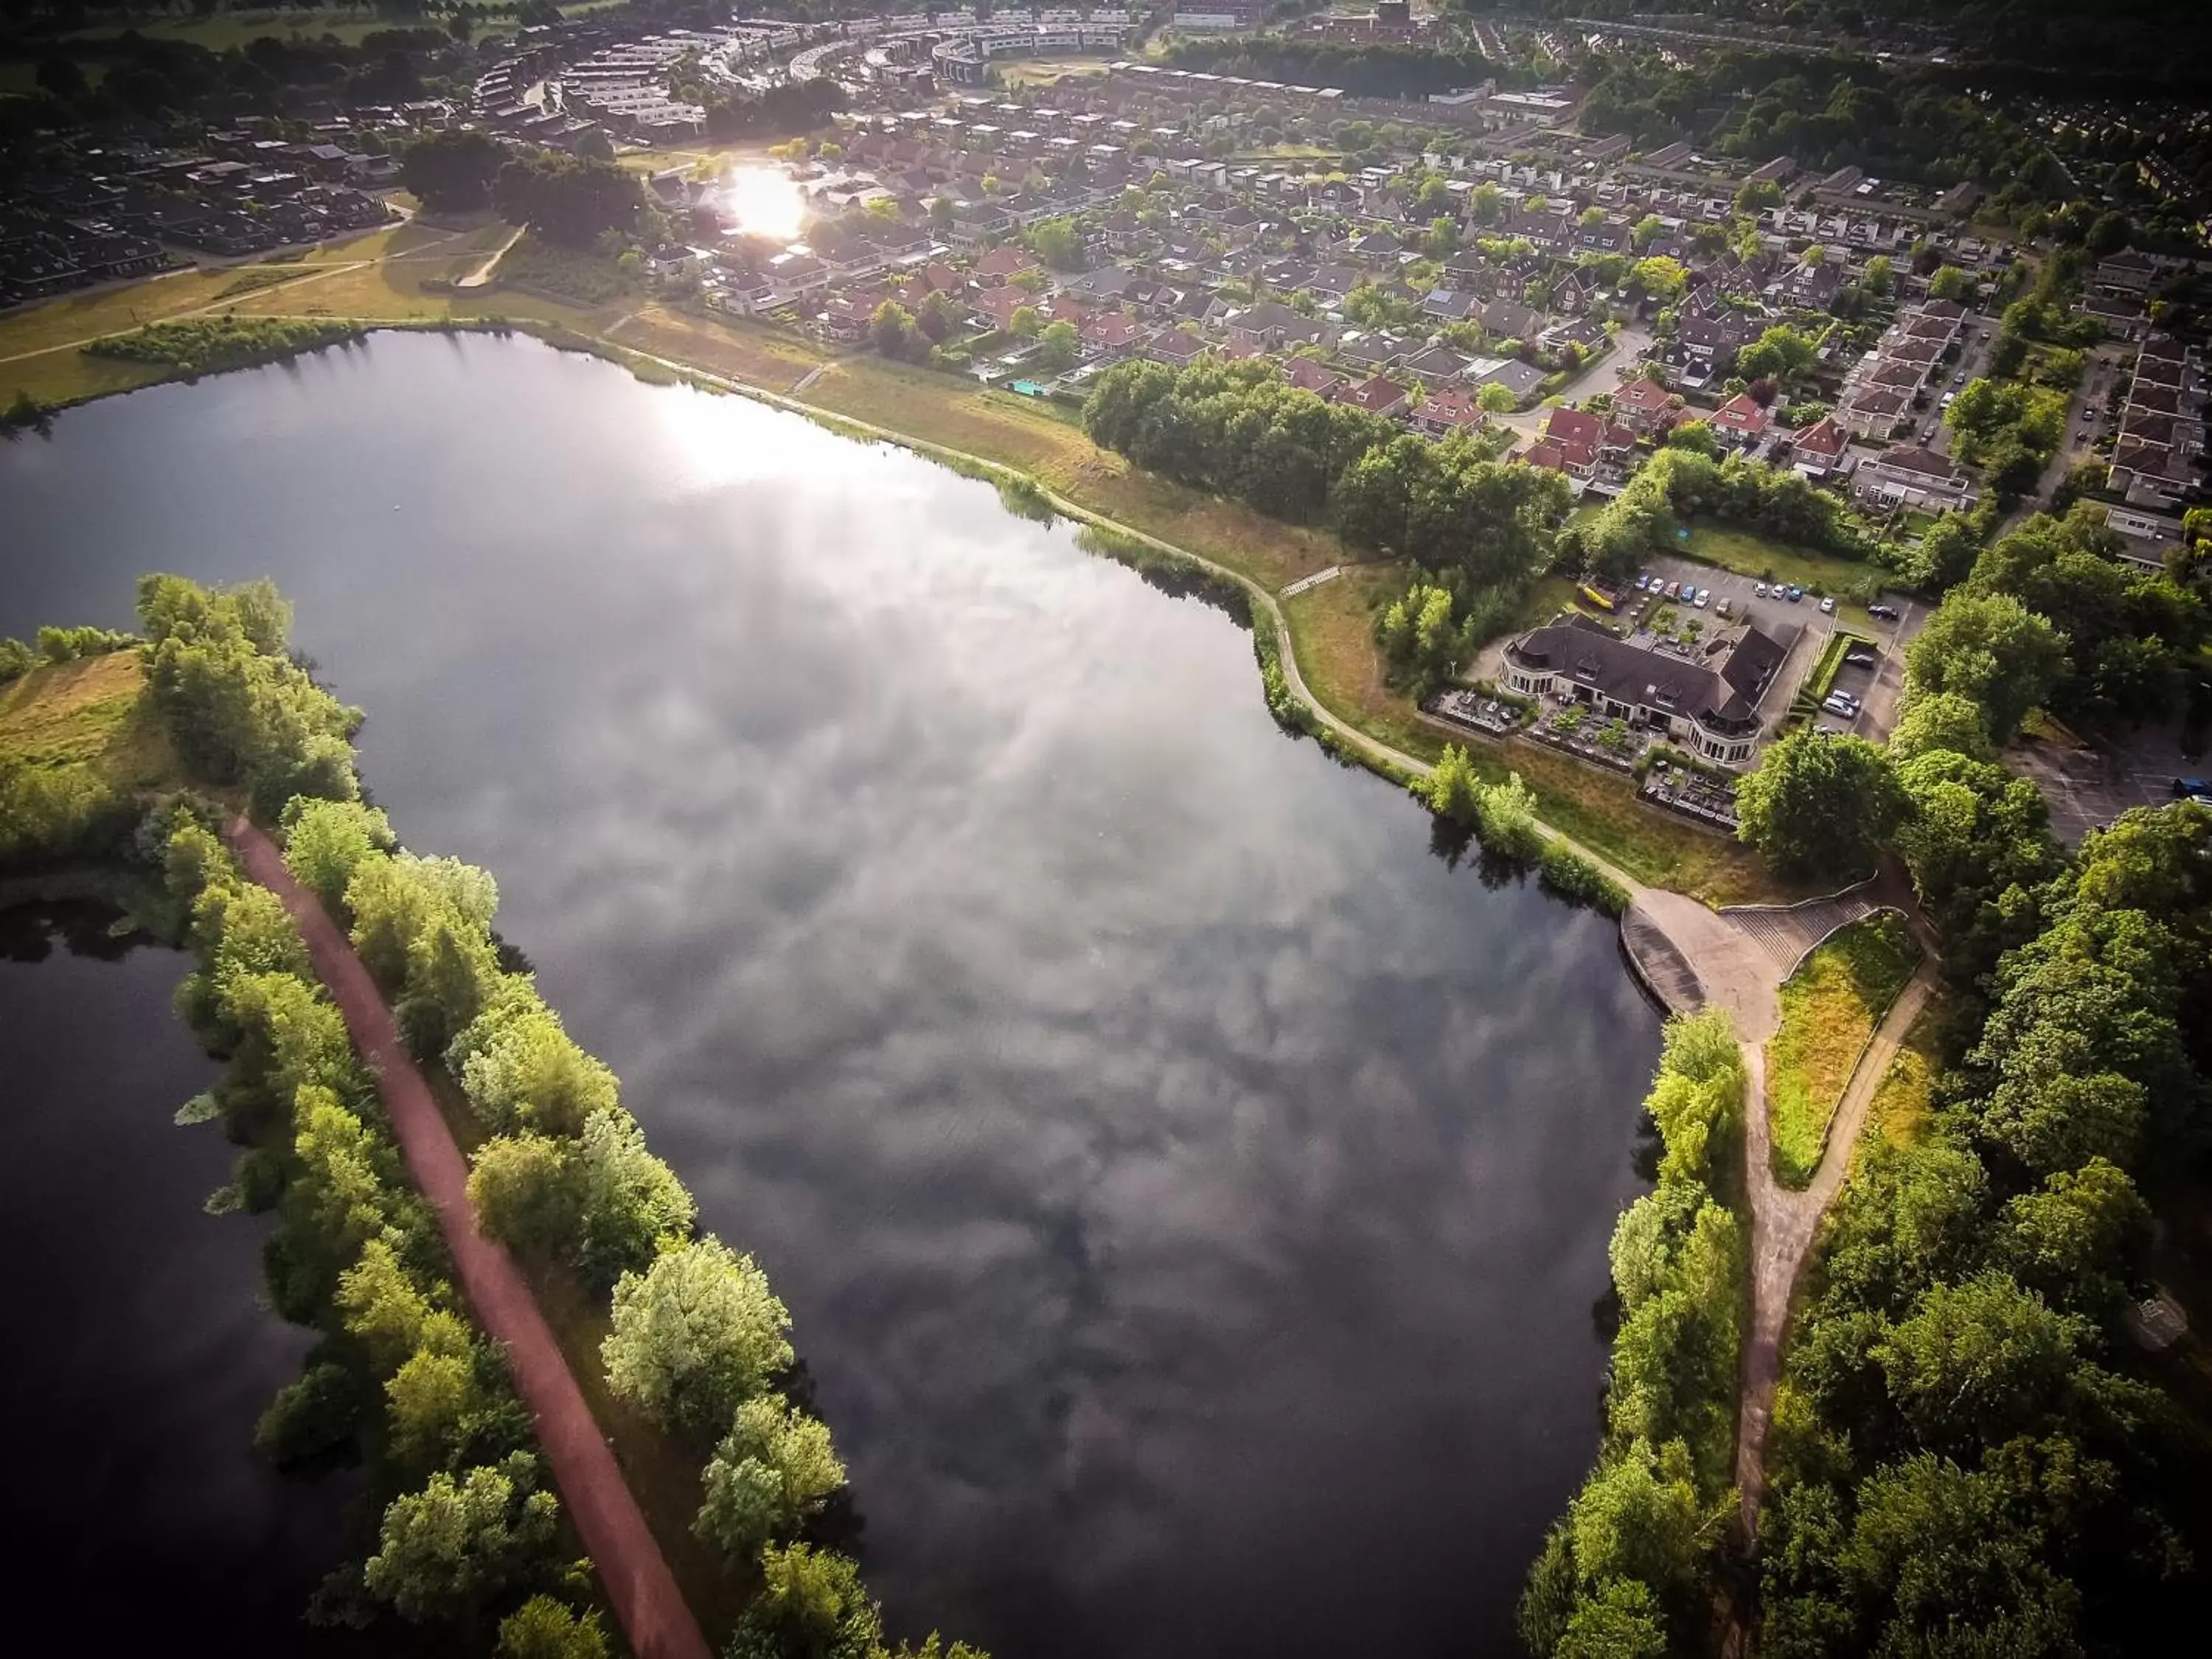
(1829,1007)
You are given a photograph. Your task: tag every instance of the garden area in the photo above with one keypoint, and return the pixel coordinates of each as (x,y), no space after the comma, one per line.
(1830,1008)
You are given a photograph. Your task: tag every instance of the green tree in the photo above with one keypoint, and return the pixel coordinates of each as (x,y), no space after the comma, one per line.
(523,1193)
(325,840)
(1757,193)
(772,1469)
(1697,437)
(1639,1518)
(1496,399)
(452,171)
(1981,1361)
(1661,277)
(1951,283)
(387,1314)
(1879,277)
(891,330)
(1058,243)
(1025,322)
(521,1069)
(695,1336)
(1991,650)
(542,1628)
(445,1552)
(629,1201)
(1820,805)
(1058,345)
(810,1604)
(427,1399)
(1619,1619)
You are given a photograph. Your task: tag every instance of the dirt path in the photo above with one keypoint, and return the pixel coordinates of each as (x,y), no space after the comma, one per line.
(481,274)
(622,1549)
(1785,1223)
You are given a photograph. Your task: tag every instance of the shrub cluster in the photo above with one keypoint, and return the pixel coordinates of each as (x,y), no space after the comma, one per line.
(1621,1573)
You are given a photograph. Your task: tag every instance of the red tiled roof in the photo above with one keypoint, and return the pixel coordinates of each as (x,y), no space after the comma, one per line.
(1741,414)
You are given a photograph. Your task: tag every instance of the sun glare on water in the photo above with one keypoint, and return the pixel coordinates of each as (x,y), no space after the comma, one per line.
(764,201)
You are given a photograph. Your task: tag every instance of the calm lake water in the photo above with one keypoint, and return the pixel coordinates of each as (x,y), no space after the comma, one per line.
(134,1352)
(1191,1192)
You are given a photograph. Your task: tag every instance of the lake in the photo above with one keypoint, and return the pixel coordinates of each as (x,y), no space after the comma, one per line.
(137,1349)
(1190,1191)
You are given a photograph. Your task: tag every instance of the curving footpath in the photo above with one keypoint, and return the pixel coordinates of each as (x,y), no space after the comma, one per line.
(638,1582)
(1784,1222)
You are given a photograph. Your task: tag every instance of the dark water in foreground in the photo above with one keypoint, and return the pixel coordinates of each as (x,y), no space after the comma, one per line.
(134,1353)
(1190,1192)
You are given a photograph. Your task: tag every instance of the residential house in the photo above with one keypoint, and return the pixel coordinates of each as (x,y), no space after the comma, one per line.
(1742,421)
(1441,413)
(1874,412)
(1378,395)
(1435,365)
(1645,408)
(1908,475)
(1822,450)
(1311,374)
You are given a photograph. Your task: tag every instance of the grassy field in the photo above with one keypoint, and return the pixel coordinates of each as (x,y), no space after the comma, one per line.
(94,714)
(1900,1109)
(1829,1007)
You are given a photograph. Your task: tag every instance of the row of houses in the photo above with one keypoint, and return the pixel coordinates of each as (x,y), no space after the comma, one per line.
(2158,455)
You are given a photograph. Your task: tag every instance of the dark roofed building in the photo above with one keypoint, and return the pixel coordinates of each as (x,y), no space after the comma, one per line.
(1708,701)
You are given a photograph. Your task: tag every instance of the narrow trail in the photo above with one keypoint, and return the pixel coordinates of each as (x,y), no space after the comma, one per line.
(627,1558)
(481,274)
(1784,1223)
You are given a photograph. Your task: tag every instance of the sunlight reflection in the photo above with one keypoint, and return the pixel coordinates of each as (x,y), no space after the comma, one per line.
(764,201)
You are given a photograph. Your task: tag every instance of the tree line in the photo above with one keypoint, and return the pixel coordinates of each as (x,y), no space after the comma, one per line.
(1241,429)
(1624,1574)
(1678,485)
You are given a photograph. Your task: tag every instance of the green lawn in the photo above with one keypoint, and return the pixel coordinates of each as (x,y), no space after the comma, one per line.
(1829,1007)
(94,714)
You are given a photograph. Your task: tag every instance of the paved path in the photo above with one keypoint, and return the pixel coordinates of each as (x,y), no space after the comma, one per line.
(622,1549)
(1784,1223)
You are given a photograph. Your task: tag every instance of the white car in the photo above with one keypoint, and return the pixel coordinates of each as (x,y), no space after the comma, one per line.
(1704,597)
(1759,590)
(1828,605)
(1843,703)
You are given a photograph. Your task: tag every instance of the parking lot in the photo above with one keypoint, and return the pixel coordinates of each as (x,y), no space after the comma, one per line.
(1878,686)
(2088,788)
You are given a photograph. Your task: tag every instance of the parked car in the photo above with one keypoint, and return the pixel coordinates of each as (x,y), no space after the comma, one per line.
(1886,612)
(1861,656)
(1722,609)
(1841,703)
(1673,589)
(2192,788)
(1795,593)
(1640,584)
(1705,598)
(1759,590)
(1828,605)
